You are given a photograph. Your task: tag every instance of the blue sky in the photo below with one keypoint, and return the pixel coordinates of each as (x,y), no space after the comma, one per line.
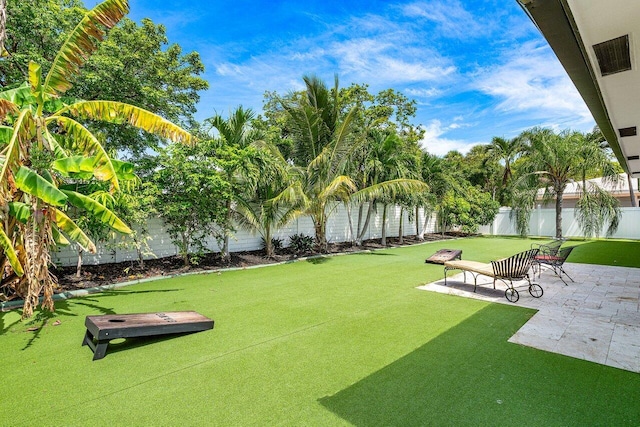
(477,69)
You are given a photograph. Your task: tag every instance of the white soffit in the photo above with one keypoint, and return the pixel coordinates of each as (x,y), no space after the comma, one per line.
(599,21)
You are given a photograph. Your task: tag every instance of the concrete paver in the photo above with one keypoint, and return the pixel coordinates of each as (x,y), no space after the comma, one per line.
(595,318)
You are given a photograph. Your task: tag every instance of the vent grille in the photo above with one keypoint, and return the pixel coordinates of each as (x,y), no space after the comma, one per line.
(632,131)
(613,55)
(633,158)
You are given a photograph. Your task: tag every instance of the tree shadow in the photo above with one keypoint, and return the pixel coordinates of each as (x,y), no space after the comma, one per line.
(317,260)
(471,375)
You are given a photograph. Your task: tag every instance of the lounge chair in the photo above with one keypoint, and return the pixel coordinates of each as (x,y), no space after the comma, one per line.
(507,270)
(555,262)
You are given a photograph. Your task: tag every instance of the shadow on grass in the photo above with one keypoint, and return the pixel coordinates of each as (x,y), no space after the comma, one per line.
(124,344)
(471,375)
(317,260)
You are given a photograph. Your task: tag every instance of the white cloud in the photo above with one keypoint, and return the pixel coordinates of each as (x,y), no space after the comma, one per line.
(532,80)
(434,142)
(423,92)
(450,18)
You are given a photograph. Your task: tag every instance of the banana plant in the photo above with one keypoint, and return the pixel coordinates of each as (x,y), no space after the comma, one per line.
(44,141)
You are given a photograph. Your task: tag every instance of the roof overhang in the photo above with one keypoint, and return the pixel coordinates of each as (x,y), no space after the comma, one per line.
(573,28)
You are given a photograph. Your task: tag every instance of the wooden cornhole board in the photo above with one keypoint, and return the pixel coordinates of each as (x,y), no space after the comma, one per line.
(444,255)
(105,328)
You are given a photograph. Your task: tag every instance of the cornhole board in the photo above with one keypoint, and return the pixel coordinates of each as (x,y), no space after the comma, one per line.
(444,255)
(102,329)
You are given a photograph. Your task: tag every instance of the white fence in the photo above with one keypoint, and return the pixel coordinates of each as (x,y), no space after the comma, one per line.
(337,231)
(543,223)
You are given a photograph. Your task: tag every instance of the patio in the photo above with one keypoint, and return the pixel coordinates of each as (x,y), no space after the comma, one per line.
(597,318)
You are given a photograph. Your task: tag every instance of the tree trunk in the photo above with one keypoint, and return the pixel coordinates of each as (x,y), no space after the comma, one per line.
(632,194)
(226,256)
(268,244)
(79,265)
(185,250)
(559,215)
(351,235)
(366,223)
(384,224)
(427,218)
(400,231)
(418,222)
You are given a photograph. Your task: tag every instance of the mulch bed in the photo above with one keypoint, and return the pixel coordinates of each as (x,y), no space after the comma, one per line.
(105,274)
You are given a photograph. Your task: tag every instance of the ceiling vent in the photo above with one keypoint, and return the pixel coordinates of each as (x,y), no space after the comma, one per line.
(633,158)
(632,131)
(613,55)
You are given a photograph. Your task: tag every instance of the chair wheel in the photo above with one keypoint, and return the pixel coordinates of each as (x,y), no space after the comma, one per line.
(511,294)
(536,290)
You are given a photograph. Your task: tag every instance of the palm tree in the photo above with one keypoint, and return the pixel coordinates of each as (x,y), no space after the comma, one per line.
(236,136)
(324,136)
(276,199)
(43,144)
(551,162)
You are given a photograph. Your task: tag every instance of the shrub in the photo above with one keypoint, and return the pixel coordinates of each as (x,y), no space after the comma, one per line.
(299,243)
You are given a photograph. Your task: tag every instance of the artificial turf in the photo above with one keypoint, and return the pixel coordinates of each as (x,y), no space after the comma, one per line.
(343,340)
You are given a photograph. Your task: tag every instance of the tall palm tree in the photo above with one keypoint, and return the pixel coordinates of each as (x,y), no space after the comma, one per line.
(324,136)
(45,142)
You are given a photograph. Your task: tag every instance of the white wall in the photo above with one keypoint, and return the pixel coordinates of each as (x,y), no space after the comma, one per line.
(543,223)
(242,240)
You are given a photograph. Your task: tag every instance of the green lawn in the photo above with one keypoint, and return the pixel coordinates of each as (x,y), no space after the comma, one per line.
(344,340)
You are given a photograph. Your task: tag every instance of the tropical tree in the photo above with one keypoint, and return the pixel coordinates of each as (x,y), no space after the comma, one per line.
(190,197)
(276,199)
(323,137)
(236,155)
(43,142)
(551,162)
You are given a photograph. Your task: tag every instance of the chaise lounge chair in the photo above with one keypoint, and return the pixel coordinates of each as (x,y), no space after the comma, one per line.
(507,270)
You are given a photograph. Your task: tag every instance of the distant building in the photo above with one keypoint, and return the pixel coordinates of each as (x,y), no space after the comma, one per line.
(572,192)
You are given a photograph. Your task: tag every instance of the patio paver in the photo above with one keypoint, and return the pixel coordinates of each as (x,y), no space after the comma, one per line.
(597,318)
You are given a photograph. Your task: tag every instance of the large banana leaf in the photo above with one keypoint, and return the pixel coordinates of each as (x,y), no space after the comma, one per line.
(20,211)
(81,43)
(118,112)
(20,96)
(98,210)
(32,183)
(83,167)
(89,145)
(74,232)
(5,135)
(58,237)
(35,82)
(10,253)
(53,144)
(23,129)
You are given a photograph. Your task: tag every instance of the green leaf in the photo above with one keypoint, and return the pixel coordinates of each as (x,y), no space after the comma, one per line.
(74,232)
(86,142)
(75,166)
(9,251)
(20,211)
(82,42)
(98,210)
(83,167)
(58,237)
(23,129)
(32,183)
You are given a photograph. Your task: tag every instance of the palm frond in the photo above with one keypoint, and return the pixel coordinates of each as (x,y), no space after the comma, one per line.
(81,43)
(389,189)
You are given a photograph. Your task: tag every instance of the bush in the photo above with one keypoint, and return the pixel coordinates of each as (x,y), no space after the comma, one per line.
(299,243)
